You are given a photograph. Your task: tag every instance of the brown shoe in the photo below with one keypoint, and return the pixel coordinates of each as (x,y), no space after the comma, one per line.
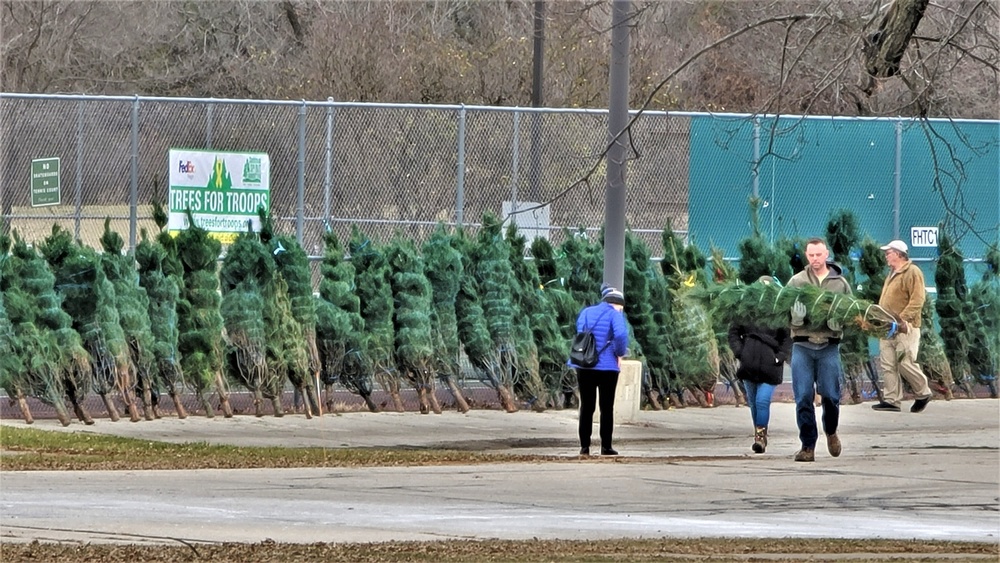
(833,444)
(805,455)
(759,439)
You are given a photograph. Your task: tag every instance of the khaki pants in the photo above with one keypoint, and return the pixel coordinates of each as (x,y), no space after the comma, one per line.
(898,358)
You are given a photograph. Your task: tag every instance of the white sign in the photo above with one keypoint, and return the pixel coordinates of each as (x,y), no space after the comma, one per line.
(923,236)
(223,190)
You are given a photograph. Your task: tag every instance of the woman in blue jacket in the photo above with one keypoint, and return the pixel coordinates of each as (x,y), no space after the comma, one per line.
(607,323)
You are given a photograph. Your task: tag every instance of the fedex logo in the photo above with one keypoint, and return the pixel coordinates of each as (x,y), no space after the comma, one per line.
(185,167)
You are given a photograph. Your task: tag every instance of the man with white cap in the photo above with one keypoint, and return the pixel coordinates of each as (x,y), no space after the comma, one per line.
(903,295)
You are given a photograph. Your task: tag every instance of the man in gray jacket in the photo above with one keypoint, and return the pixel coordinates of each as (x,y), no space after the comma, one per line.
(816,364)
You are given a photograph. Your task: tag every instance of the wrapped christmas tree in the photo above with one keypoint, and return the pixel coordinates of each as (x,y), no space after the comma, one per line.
(472,328)
(293,267)
(984,302)
(494,279)
(724,272)
(843,236)
(443,268)
(412,321)
(650,337)
(758,257)
(542,351)
(953,309)
(931,355)
(553,272)
(199,316)
(340,329)
(586,271)
(247,266)
(287,352)
(132,303)
(371,282)
(49,349)
(160,274)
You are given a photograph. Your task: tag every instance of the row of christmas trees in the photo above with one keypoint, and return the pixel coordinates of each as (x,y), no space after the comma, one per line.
(170,318)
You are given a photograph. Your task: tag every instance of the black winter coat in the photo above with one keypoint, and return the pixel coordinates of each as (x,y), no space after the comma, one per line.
(761,352)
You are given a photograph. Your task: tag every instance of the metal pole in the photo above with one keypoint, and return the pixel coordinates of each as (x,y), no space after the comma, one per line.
(614,196)
(78,199)
(134,195)
(460,173)
(538,64)
(329,160)
(208,125)
(300,193)
(898,179)
(756,157)
(515,159)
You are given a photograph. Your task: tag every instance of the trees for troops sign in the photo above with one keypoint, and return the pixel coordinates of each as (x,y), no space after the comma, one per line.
(223,190)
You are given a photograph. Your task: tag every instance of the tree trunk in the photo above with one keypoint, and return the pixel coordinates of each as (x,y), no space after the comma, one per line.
(884,49)
(227,409)
(81,413)
(506,400)
(25,411)
(109,406)
(178,405)
(456,393)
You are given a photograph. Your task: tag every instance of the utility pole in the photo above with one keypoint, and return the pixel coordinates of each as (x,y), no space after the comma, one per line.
(614,195)
(538,62)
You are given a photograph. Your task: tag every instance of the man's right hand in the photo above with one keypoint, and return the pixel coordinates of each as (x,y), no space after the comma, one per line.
(902,327)
(798,313)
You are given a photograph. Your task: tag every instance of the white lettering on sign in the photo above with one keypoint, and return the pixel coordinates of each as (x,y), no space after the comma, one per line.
(923,236)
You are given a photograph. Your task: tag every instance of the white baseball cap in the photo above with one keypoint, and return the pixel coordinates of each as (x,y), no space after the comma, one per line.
(897,245)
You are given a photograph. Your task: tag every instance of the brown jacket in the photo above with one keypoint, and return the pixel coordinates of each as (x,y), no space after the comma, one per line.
(903,294)
(835,282)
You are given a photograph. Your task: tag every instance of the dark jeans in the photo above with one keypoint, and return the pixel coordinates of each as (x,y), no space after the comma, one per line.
(816,371)
(590,381)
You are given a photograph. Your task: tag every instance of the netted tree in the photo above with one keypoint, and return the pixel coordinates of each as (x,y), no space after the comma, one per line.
(494,279)
(553,272)
(412,321)
(132,303)
(542,351)
(984,302)
(953,309)
(872,267)
(246,267)
(443,269)
(844,235)
(199,317)
(758,257)
(651,341)
(287,351)
(724,272)
(160,274)
(340,329)
(586,273)
(473,332)
(49,349)
(293,266)
(371,282)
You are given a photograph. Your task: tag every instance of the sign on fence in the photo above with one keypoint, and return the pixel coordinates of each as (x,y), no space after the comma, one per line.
(923,236)
(223,190)
(45,182)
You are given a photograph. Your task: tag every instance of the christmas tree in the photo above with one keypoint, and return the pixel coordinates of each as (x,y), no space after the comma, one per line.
(340,329)
(494,279)
(843,236)
(552,273)
(953,309)
(443,269)
(199,317)
(984,303)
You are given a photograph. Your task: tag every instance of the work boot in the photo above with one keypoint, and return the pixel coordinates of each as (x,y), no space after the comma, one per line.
(760,439)
(609,451)
(833,444)
(805,454)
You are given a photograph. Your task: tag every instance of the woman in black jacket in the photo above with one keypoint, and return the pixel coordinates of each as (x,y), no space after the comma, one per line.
(762,353)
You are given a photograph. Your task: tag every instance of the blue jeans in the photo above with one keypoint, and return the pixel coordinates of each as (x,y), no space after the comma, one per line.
(759,400)
(816,371)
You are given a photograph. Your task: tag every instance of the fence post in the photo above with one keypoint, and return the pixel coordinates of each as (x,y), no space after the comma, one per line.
(208,124)
(460,173)
(78,199)
(898,179)
(329,160)
(515,159)
(756,157)
(300,196)
(134,192)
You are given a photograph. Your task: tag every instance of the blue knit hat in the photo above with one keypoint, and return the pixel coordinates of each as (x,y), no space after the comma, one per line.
(612,295)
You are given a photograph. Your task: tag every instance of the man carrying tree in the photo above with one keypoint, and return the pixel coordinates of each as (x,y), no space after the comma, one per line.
(816,364)
(903,295)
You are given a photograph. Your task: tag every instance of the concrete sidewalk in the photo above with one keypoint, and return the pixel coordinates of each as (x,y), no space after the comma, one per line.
(683,473)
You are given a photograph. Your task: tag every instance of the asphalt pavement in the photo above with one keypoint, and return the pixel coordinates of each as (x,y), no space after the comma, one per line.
(682,473)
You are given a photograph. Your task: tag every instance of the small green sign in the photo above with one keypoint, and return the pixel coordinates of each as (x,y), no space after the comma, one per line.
(45,182)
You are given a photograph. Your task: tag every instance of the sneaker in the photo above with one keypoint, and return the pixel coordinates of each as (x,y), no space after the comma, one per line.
(805,454)
(884,406)
(608,451)
(920,404)
(833,444)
